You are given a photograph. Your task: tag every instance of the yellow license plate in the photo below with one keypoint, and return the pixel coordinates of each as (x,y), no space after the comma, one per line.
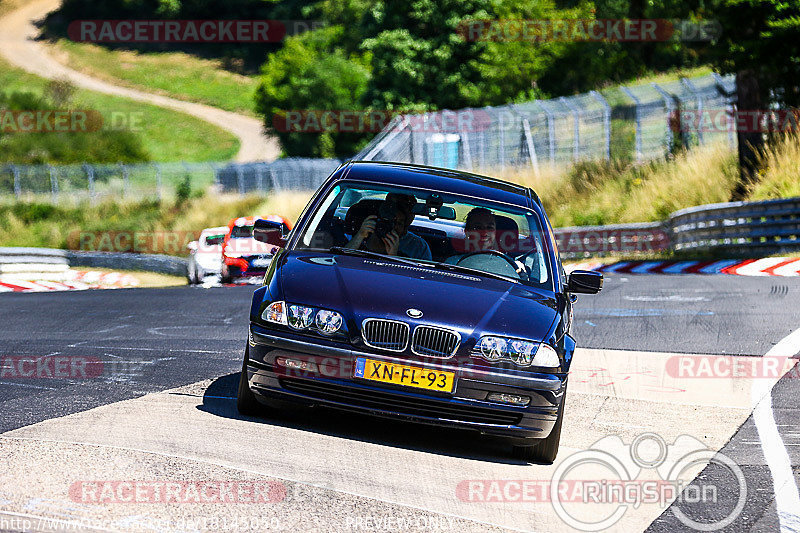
(408,376)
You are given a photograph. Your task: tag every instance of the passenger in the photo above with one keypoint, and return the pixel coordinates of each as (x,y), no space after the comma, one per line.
(388,232)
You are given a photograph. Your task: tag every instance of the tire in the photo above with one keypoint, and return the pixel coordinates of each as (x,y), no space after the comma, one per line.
(246,401)
(545,450)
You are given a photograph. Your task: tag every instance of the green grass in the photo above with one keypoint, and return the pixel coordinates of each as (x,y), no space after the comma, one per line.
(60,226)
(616,97)
(176,74)
(167,135)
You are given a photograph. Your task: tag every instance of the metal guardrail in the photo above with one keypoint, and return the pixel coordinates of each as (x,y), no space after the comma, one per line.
(739,228)
(764,227)
(48,259)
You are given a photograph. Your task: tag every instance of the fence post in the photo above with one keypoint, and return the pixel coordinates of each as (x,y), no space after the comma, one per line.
(17,185)
(551,130)
(637,106)
(606,122)
(576,128)
(158,181)
(730,107)
(90,178)
(240,178)
(670,105)
(502,147)
(691,87)
(260,177)
(526,131)
(123,170)
(53,183)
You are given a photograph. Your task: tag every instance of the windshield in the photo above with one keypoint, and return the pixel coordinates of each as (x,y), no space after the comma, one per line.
(444,230)
(239,232)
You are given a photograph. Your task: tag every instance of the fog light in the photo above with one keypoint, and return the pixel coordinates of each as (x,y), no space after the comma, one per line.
(511,399)
(296,364)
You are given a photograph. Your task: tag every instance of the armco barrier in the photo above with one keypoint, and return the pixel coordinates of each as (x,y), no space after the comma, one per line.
(751,228)
(46,259)
(163,264)
(740,229)
(587,241)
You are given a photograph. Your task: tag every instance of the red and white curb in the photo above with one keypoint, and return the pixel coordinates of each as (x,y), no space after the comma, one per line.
(770,266)
(73,280)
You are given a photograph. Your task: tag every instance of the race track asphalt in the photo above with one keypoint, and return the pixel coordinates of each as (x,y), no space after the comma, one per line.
(148,341)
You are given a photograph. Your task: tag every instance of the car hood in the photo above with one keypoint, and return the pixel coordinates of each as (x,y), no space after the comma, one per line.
(363,288)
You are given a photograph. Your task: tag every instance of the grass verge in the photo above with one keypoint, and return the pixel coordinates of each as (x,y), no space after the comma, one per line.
(176,74)
(167,135)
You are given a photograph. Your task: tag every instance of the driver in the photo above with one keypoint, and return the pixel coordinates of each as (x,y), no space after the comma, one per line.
(397,241)
(480,231)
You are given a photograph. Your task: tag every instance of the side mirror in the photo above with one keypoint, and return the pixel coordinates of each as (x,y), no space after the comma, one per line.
(270,232)
(584,282)
(192,245)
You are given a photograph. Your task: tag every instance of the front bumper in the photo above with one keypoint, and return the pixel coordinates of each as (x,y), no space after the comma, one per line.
(333,385)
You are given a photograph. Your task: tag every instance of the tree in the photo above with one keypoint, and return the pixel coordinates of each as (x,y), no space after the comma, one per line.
(759,45)
(311,73)
(421,58)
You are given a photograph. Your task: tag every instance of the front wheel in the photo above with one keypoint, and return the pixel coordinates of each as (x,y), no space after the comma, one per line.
(545,450)
(246,401)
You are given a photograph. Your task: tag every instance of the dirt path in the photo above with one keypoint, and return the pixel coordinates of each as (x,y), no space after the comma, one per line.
(17,45)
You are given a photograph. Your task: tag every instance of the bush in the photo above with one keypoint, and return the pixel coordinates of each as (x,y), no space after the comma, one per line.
(103,146)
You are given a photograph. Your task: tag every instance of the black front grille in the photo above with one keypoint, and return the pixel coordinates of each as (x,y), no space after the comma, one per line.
(385,334)
(396,403)
(435,342)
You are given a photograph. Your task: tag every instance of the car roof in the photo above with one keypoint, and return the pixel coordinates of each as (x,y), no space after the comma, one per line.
(220,230)
(442,179)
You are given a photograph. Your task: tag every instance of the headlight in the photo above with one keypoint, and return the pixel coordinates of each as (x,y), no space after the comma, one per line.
(328,322)
(492,348)
(300,317)
(546,356)
(520,352)
(275,313)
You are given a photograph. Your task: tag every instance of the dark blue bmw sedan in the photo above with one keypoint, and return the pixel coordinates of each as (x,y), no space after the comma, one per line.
(419,293)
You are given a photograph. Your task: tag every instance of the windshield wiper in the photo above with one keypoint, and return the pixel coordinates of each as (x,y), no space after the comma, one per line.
(468,270)
(376,255)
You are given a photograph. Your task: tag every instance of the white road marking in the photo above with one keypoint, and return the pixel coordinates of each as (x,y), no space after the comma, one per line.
(757,268)
(787,497)
(26,385)
(789,269)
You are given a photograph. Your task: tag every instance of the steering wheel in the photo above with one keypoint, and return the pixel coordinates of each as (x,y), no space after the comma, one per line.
(513,264)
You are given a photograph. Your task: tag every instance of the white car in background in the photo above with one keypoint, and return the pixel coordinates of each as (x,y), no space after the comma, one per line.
(205,254)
